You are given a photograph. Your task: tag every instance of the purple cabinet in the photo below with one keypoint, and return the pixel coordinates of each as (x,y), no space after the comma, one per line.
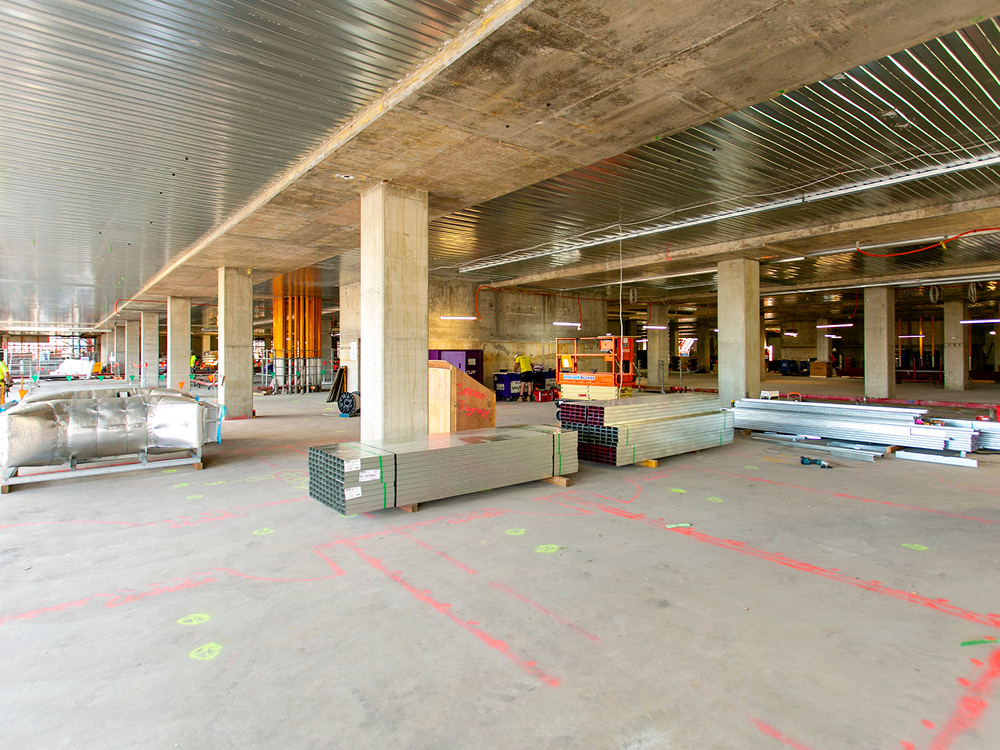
(469,361)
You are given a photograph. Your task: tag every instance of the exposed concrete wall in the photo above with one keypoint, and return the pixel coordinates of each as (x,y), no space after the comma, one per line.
(236,341)
(880,342)
(350,333)
(178,342)
(393,312)
(956,356)
(511,323)
(740,350)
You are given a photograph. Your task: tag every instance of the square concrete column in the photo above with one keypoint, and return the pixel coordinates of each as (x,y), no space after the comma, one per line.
(179,343)
(823,344)
(995,340)
(106,341)
(132,358)
(236,342)
(150,349)
(657,347)
(704,347)
(956,358)
(880,342)
(120,347)
(393,312)
(350,334)
(206,343)
(739,330)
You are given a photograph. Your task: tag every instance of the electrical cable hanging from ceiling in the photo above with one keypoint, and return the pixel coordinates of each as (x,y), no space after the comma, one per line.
(939,243)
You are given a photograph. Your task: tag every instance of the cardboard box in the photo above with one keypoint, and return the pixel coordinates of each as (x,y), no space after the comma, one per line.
(820,370)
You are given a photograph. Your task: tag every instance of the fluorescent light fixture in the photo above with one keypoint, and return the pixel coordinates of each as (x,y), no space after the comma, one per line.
(833,336)
(791,332)
(459,317)
(655,328)
(641,341)
(913,336)
(566,323)
(981,320)
(837,325)
(993,333)
(716,330)
(820,195)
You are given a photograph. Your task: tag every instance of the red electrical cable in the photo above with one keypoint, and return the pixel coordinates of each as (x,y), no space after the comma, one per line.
(936,244)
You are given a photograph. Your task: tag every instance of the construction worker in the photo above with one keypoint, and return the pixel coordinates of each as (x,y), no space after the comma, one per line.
(193,360)
(4,381)
(523,365)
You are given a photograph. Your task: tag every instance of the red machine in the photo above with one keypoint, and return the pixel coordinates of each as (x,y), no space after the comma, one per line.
(608,362)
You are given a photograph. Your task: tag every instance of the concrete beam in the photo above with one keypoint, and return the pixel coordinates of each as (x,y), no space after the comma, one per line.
(880,342)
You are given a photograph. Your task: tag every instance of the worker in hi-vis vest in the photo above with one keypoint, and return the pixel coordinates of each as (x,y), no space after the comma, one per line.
(4,381)
(523,365)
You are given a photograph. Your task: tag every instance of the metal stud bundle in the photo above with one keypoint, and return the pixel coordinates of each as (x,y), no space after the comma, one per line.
(647,426)
(869,424)
(358,477)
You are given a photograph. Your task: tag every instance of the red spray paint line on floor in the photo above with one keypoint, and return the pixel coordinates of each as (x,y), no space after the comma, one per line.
(775,734)
(970,706)
(445,609)
(549,613)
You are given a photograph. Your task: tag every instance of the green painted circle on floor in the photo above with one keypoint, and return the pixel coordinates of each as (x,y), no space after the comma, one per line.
(714,499)
(748,466)
(263,532)
(182,484)
(918,547)
(206,652)
(678,491)
(515,532)
(547,548)
(194,497)
(195,619)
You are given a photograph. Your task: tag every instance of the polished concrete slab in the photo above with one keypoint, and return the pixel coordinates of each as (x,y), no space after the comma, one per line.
(826,609)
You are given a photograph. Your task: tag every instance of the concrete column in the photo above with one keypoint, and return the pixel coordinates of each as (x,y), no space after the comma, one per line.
(178,343)
(132,352)
(149,349)
(674,344)
(206,344)
(350,334)
(393,312)
(956,358)
(120,347)
(995,340)
(326,347)
(823,344)
(236,342)
(704,346)
(739,329)
(880,342)
(106,339)
(761,354)
(657,346)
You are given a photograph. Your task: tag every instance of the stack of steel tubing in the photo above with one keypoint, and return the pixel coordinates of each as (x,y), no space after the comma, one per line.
(352,477)
(989,432)
(869,424)
(646,427)
(356,477)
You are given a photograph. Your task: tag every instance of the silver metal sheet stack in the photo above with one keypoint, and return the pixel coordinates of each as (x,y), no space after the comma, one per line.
(989,432)
(869,424)
(352,477)
(648,426)
(359,477)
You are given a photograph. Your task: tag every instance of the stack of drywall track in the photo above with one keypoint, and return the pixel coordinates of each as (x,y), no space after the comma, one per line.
(647,426)
(357,477)
(869,424)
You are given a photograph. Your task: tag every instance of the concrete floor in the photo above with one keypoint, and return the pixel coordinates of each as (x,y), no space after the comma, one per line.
(805,608)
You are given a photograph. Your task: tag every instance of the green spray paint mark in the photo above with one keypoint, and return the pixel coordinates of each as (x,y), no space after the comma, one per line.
(918,547)
(196,619)
(194,497)
(678,491)
(169,471)
(547,548)
(676,525)
(978,642)
(181,484)
(714,499)
(515,532)
(221,481)
(263,532)
(748,466)
(206,652)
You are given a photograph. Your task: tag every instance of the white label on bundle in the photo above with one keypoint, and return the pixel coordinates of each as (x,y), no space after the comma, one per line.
(351,492)
(371,475)
(352,464)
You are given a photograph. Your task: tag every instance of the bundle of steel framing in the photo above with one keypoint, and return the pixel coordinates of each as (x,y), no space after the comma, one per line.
(646,427)
(878,425)
(376,474)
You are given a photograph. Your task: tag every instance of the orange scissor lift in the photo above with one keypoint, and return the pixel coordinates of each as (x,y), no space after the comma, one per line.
(610,362)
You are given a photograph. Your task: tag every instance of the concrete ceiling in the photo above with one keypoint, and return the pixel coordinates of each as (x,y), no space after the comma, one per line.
(494,101)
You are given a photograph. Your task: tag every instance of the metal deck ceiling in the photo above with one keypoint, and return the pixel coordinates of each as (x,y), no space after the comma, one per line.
(131,127)
(936,105)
